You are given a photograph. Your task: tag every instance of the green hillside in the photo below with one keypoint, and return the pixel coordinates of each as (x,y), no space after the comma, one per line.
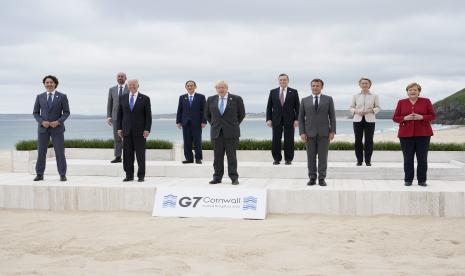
(451,110)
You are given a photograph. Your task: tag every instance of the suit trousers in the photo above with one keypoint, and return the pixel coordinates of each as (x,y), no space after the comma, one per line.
(118,142)
(192,134)
(361,128)
(288,142)
(58,141)
(222,145)
(134,144)
(317,146)
(412,146)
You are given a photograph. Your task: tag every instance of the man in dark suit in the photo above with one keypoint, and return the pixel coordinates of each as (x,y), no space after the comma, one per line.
(134,124)
(225,113)
(112,112)
(191,118)
(317,127)
(282,113)
(51,110)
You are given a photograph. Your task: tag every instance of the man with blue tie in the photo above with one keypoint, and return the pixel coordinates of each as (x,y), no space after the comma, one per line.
(190,117)
(51,109)
(112,112)
(225,113)
(134,124)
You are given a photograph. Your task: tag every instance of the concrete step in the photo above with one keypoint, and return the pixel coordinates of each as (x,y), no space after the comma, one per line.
(298,170)
(285,196)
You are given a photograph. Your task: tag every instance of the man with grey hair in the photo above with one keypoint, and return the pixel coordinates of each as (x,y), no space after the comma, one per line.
(225,113)
(112,112)
(134,124)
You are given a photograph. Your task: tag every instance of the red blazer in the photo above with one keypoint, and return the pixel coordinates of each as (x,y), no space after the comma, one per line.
(423,107)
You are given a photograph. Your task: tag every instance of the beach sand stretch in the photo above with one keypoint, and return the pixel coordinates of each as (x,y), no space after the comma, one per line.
(127,243)
(452,134)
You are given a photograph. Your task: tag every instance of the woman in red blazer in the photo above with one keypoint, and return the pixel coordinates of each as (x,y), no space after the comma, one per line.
(414,116)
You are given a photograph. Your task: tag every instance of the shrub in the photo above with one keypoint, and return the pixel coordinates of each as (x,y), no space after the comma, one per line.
(92,144)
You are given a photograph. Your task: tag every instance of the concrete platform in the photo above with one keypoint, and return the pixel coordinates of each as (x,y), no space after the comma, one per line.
(285,196)
(298,170)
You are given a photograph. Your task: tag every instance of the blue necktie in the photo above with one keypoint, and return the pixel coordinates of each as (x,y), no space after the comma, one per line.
(222,106)
(120,92)
(190,101)
(49,101)
(131,102)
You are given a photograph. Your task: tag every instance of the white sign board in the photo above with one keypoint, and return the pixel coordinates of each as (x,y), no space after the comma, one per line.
(210,202)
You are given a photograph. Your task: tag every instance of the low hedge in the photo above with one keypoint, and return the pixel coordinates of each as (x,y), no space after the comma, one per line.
(92,144)
(250,144)
(244,144)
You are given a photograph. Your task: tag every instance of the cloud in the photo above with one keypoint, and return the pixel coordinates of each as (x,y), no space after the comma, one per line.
(247,43)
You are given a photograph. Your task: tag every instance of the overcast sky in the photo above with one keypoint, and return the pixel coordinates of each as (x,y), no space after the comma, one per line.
(247,43)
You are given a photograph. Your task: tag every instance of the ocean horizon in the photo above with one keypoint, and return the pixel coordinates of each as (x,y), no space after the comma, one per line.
(17,127)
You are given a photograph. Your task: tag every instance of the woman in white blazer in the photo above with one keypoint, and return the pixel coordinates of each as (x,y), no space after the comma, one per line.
(364,107)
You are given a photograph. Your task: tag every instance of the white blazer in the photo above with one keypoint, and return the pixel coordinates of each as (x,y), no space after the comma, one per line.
(365,102)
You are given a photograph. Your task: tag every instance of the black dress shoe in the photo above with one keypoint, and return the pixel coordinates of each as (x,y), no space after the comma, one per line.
(187,161)
(322,182)
(116,160)
(63,178)
(407,183)
(141,179)
(235,182)
(311,182)
(288,162)
(423,184)
(127,179)
(368,164)
(198,161)
(359,164)
(215,181)
(276,163)
(39,178)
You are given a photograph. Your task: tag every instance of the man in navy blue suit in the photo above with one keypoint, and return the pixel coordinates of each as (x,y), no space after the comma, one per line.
(190,117)
(51,110)
(134,122)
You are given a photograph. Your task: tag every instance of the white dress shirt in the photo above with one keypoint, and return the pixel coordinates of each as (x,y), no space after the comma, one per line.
(225,101)
(53,95)
(314,98)
(189,95)
(135,97)
(284,90)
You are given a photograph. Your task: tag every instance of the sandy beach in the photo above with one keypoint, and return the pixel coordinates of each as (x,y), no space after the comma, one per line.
(124,243)
(454,134)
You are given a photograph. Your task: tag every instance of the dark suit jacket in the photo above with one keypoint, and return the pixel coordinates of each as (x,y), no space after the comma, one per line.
(289,112)
(320,122)
(195,113)
(139,119)
(59,111)
(233,115)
